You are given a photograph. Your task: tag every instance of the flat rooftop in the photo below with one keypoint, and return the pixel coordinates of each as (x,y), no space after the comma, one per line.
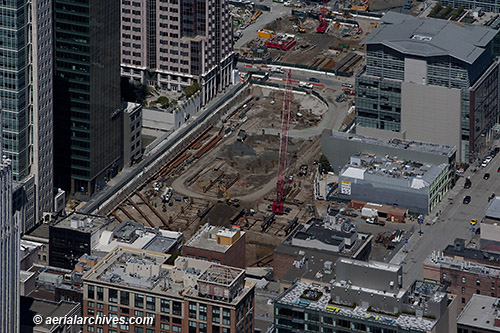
(135,235)
(431,37)
(293,296)
(416,175)
(83,222)
(481,312)
(462,265)
(148,271)
(206,238)
(371,264)
(469,253)
(493,208)
(396,143)
(32,306)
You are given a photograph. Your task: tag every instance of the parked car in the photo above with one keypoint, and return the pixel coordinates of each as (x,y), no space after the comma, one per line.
(347,85)
(466,200)
(468,183)
(473,221)
(486,176)
(313,79)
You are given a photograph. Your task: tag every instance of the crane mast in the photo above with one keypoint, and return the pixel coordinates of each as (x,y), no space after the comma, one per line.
(322,27)
(285,123)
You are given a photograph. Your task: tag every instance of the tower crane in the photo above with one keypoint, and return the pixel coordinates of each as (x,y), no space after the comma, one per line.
(322,19)
(285,123)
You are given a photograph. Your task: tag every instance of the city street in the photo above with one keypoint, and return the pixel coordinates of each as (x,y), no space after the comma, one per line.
(454,219)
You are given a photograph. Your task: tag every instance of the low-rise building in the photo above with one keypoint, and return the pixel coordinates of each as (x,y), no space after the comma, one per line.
(73,236)
(459,251)
(394,181)
(490,226)
(31,307)
(462,277)
(182,295)
(312,248)
(135,235)
(480,315)
(338,147)
(365,297)
(217,244)
(40,235)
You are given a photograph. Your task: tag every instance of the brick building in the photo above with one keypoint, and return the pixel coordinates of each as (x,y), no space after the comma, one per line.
(189,296)
(462,277)
(217,244)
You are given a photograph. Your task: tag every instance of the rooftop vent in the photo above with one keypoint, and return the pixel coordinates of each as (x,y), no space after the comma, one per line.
(421,38)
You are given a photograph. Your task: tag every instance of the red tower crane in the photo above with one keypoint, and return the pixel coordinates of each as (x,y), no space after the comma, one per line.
(285,123)
(322,19)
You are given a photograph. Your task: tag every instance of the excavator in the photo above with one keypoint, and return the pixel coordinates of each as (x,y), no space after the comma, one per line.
(229,200)
(299,22)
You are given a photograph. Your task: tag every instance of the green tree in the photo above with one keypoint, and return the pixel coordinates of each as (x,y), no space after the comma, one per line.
(162,100)
(324,164)
(190,90)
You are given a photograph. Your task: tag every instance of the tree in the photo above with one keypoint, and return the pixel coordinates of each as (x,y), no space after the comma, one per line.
(325,165)
(190,90)
(162,100)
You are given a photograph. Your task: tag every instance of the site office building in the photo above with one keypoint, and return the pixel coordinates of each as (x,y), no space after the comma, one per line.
(173,43)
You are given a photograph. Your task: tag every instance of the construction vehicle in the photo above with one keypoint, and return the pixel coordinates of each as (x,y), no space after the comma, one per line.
(264,33)
(323,26)
(229,200)
(299,23)
(257,14)
(277,206)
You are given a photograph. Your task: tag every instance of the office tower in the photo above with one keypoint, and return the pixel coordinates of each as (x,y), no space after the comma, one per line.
(181,295)
(9,253)
(26,96)
(87,110)
(429,80)
(171,44)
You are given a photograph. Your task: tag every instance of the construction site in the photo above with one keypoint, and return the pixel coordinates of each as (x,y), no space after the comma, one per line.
(245,170)
(323,35)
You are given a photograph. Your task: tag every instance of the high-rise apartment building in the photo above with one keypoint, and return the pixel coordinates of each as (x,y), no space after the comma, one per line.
(429,80)
(185,295)
(9,253)
(26,95)
(87,110)
(172,44)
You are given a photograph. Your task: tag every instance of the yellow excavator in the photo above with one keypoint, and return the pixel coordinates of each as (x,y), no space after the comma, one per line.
(229,200)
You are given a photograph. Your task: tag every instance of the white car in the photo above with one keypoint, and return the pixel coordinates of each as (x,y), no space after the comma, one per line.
(484,164)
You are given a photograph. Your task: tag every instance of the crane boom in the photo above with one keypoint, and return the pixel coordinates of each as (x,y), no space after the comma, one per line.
(285,123)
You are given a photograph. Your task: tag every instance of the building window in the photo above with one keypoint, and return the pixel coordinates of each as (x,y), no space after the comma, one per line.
(113,308)
(478,282)
(463,290)
(124,310)
(203,328)
(113,295)
(139,301)
(151,315)
(478,291)
(493,286)
(150,303)
(463,300)
(177,329)
(138,330)
(192,326)
(444,276)
(463,279)
(100,306)
(203,312)
(138,313)
(215,314)
(192,310)
(100,293)
(177,309)
(90,304)
(90,292)
(165,305)
(124,297)
(226,317)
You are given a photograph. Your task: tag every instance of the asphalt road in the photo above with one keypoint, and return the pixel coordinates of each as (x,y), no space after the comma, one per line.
(454,219)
